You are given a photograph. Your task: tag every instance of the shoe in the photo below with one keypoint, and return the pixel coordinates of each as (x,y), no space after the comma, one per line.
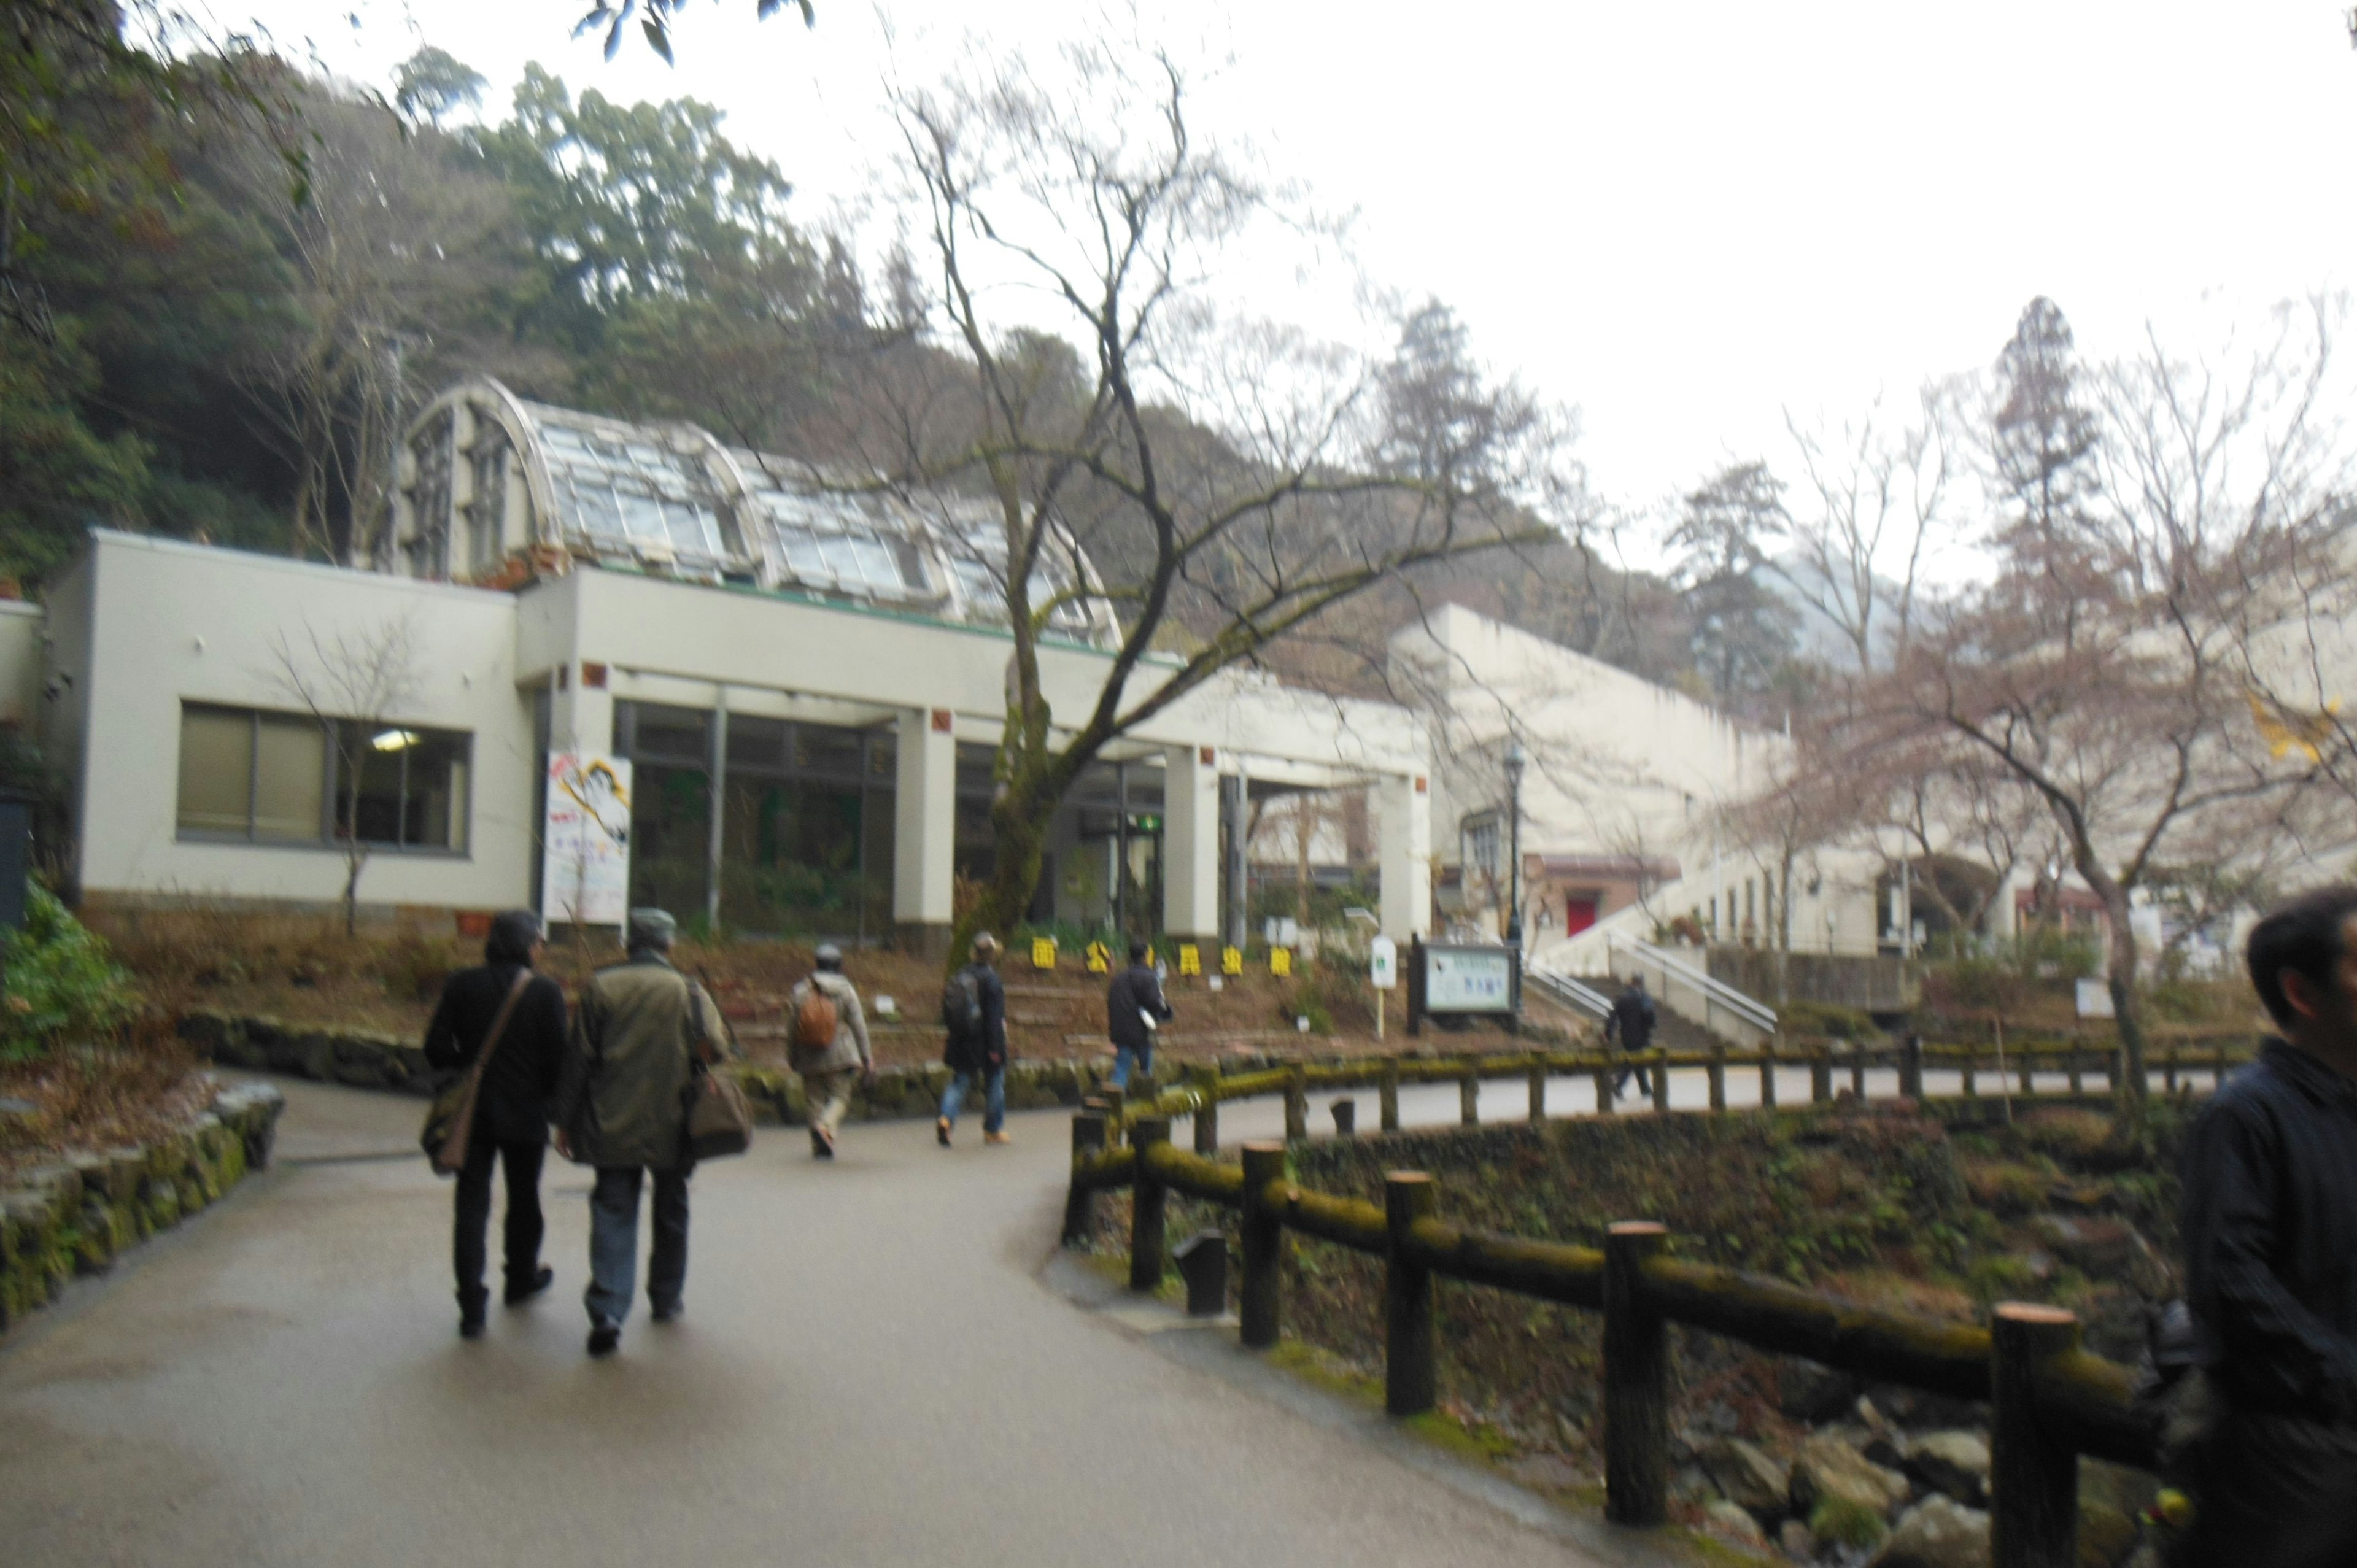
(942,1131)
(667,1313)
(470,1312)
(822,1144)
(604,1335)
(996,1138)
(517,1294)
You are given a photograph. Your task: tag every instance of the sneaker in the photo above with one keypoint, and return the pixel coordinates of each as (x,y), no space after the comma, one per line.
(518,1294)
(822,1144)
(667,1313)
(942,1131)
(604,1335)
(470,1320)
(996,1138)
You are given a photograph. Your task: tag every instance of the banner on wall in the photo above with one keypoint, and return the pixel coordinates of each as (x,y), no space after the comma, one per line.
(586,834)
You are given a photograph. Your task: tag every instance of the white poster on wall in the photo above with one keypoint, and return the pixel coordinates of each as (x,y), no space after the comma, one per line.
(586,864)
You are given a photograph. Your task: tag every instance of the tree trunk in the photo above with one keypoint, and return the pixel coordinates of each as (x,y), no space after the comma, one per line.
(1018,821)
(2125,1016)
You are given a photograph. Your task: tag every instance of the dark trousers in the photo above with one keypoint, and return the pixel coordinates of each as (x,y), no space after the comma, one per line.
(1644,1082)
(613,1241)
(474,1212)
(2275,1491)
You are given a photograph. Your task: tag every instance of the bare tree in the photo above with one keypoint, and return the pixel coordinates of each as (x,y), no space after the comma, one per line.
(1199,484)
(356,681)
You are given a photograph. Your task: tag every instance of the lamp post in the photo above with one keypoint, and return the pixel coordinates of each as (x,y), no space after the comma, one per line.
(1514,762)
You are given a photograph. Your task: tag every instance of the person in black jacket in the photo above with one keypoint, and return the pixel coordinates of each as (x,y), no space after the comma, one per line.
(512,1111)
(973,1009)
(1633,1020)
(2268,1215)
(1134,995)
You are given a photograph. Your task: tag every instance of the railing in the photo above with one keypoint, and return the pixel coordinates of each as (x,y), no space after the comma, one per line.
(2021,1065)
(1574,993)
(1715,997)
(2051,1401)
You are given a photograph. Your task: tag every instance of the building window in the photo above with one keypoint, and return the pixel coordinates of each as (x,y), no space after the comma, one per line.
(429,501)
(487,512)
(1482,842)
(274,778)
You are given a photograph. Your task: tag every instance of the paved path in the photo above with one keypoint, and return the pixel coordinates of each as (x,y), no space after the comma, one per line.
(870,1371)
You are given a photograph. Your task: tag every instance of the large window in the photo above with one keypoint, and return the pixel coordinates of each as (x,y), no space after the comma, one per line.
(284,778)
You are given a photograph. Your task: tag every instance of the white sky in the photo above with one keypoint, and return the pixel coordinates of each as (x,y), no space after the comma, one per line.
(1681,218)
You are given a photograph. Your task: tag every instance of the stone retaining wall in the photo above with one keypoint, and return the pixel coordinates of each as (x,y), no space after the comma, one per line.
(73,1217)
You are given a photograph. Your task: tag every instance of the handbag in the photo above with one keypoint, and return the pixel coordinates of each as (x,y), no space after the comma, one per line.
(719,1118)
(450,1120)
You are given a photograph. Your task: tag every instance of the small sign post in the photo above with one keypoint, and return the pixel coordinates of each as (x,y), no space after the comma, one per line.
(1382,974)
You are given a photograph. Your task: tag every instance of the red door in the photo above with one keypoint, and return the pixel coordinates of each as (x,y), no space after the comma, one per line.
(1579,914)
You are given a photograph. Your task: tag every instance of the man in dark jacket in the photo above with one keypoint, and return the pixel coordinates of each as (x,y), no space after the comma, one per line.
(2269,1220)
(1633,1020)
(621,1107)
(511,1109)
(973,1010)
(1134,997)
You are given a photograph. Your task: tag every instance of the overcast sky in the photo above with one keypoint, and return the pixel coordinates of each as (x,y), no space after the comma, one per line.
(1683,218)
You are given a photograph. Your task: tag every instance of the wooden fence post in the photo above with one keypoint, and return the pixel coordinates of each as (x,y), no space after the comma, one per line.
(2071,1057)
(1636,1381)
(2169,1069)
(1911,1067)
(1857,1069)
(1346,1118)
(1768,1073)
(1972,1081)
(1147,1194)
(2115,1068)
(1469,1099)
(1389,1091)
(2218,1066)
(1207,1114)
(1297,1106)
(1719,1076)
(1538,1077)
(1604,1091)
(1821,1074)
(2033,1476)
(1264,1242)
(1661,1060)
(1081,1202)
(1410,1355)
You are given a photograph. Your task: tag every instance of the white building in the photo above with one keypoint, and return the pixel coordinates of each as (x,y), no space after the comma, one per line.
(809,688)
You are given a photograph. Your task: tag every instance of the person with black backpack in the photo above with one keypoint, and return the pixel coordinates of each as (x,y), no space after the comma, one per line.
(827,1044)
(973,1010)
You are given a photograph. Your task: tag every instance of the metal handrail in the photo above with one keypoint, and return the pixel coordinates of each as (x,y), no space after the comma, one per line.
(1570,992)
(1754,1012)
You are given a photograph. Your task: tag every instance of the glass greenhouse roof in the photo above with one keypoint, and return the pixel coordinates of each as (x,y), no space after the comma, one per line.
(620,488)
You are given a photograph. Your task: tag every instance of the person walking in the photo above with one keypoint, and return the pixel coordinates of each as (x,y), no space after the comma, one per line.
(621,1108)
(2268,1215)
(1134,1009)
(973,1010)
(1632,1018)
(510,1127)
(828,1045)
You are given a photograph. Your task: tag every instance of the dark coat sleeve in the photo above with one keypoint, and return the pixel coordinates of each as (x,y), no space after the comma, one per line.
(2273,1349)
(994,1014)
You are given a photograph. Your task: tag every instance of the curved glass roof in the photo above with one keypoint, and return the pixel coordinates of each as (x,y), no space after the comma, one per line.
(669,498)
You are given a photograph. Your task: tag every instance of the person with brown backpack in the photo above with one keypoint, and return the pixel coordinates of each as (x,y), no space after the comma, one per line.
(827,1044)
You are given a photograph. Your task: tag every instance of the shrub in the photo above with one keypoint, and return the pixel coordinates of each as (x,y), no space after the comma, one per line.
(62,982)
(1824,1018)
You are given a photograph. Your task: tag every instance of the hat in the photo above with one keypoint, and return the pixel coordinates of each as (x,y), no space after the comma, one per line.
(652,928)
(511,936)
(986,947)
(829,957)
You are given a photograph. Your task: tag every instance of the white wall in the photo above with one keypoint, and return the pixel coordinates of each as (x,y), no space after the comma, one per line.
(171,622)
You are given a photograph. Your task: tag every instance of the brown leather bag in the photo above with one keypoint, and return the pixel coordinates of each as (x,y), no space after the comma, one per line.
(450,1122)
(815,1020)
(719,1118)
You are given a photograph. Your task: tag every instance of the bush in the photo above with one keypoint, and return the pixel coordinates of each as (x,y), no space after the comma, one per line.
(1824,1018)
(62,984)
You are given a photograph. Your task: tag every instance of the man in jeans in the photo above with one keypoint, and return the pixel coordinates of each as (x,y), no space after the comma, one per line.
(1134,997)
(621,1107)
(2269,1220)
(974,1010)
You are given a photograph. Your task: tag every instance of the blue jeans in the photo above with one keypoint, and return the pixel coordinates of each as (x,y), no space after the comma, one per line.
(1123,1055)
(613,1241)
(993,1104)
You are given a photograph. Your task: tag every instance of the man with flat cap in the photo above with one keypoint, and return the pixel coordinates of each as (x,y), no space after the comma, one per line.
(621,1108)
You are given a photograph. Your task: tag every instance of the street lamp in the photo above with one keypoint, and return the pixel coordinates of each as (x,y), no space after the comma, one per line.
(1514,762)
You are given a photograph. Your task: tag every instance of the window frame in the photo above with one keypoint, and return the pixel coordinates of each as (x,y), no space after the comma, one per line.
(326,837)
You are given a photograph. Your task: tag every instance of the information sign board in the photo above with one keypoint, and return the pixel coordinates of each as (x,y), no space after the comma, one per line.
(1468,980)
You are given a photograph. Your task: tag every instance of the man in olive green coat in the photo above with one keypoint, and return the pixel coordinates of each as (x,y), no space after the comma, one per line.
(621,1107)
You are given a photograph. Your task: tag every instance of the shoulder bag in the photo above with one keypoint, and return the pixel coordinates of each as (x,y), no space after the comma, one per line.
(450,1122)
(719,1118)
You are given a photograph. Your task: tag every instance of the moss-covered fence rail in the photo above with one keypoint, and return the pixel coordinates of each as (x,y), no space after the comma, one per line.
(1979,1068)
(2051,1401)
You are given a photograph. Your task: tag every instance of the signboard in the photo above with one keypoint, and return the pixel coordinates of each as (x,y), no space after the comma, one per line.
(1382,963)
(586,834)
(2095,999)
(1468,980)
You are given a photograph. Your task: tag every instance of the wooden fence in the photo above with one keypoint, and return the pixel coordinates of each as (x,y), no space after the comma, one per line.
(1982,1069)
(2049,1400)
